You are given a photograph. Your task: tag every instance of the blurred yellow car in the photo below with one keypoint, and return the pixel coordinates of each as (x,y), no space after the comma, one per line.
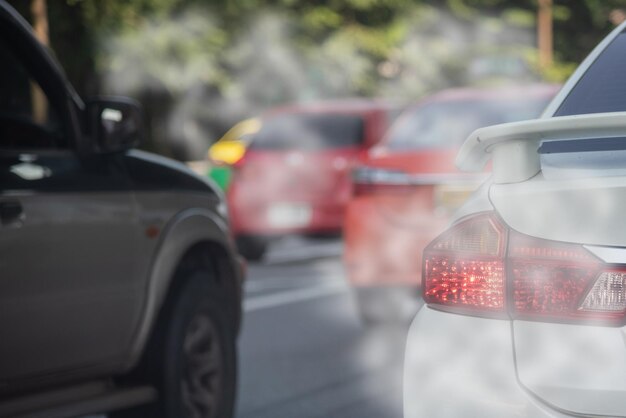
(229,149)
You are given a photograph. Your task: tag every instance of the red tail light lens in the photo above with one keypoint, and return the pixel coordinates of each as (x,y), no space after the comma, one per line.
(482,268)
(377,181)
(549,278)
(464,267)
(367,189)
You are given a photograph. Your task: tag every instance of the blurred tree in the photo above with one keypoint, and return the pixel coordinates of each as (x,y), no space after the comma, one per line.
(578,25)
(201,65)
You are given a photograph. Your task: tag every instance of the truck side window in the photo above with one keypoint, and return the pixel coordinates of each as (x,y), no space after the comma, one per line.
(27,120)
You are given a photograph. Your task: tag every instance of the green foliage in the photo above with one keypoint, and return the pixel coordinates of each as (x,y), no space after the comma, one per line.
(321,19)
(217,61)
(173,52)
(365,30)
(519,17)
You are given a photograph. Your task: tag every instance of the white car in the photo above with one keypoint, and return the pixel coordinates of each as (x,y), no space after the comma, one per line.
(525,293)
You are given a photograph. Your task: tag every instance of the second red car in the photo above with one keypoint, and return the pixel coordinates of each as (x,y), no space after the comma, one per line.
(408,185)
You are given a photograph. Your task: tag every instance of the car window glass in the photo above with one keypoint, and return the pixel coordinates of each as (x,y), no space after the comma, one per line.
(447,124)
(309,132)
(603,87)
(27,120)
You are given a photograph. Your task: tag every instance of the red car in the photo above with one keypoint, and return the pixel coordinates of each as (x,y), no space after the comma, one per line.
(408,185)
(295,177)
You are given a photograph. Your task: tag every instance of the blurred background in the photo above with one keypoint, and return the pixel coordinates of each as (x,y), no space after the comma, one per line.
(200,66)
(339,122)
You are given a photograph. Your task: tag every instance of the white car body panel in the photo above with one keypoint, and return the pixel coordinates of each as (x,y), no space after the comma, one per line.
(609,255)
(577,368)
(584,211)
(462,366)
(477,202)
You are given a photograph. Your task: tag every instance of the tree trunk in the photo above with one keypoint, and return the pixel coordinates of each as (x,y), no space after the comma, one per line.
(544,33)
(39,13)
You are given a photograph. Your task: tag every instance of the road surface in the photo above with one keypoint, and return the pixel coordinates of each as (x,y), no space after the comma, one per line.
(303,350)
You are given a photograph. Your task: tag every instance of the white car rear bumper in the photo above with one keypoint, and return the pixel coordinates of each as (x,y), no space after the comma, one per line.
(462,366)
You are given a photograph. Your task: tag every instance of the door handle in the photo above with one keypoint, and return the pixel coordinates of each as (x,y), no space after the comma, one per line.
(11,213)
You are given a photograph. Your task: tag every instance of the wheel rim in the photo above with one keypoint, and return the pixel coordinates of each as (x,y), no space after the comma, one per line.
(201,384)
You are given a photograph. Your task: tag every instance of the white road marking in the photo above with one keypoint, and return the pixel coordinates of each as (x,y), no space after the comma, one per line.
(259,286)
(292,296)
(299,281)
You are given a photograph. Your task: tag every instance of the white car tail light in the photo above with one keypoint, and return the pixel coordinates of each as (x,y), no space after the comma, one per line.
(480,267)
(464,267)
(607,294)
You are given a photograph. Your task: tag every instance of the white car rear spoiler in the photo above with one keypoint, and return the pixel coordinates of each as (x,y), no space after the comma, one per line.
(514,145)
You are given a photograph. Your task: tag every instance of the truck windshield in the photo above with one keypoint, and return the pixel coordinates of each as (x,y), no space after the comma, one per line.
(27,119)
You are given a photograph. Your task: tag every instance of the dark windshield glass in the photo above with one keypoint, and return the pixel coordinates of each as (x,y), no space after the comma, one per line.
(309,132)
(603,86)
(27,120)
(448,124)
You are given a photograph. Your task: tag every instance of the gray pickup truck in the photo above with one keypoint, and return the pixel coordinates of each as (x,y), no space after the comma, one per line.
(120,285)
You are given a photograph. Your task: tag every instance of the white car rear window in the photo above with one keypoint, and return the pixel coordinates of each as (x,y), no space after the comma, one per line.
(603,86)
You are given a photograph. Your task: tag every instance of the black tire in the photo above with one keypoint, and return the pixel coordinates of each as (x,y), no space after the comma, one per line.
(197,327)
(252,248)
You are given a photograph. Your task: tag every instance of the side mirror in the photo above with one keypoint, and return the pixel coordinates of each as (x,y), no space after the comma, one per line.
(115,124)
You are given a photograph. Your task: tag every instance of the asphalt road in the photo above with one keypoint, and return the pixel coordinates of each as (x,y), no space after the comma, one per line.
(304,351)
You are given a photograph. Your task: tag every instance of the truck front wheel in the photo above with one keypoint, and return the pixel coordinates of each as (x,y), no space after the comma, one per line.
(199,364)
(191,359)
